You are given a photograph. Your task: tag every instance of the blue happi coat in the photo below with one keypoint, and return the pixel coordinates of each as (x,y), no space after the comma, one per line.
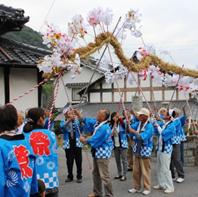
(17,167)
(158,122)
(182,133)
(101,140)
(143,142)
(176,139)
(44,147)
(168,131)
(122,136)
(77,129)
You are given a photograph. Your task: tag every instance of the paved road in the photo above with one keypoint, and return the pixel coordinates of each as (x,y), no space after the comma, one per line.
(187,189)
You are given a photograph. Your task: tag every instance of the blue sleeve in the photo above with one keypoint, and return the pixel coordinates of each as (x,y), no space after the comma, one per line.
(183,120)
(156,132)
(148,133)
(135,119)
(62,124)
(177,123)
(169,132)
(2,175)
(34,184)
(134,126)
(161,124)
(99,138)
(89,125)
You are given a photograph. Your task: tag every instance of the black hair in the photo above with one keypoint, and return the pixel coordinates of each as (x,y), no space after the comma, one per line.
(9,118)
(173,114)
(113,114)
(41,189)
(107,114)
(33,115)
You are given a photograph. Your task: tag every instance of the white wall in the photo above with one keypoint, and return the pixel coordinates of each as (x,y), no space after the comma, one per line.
(2,94)
(107,97)
(83,77)
(168,94)
(22,80)
(157,95)
(94,97)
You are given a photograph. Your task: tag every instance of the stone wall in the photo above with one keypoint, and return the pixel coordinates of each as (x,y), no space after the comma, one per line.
(191,151)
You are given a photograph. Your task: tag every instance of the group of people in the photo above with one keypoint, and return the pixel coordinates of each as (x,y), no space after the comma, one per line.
(131,133)
(29,160)
(28,155)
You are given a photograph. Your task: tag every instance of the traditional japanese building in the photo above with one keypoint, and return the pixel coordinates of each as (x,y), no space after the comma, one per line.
(18,62)
(101,92)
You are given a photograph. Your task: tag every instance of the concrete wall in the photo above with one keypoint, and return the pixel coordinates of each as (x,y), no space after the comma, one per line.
(191,151)
(22,80)
(2,94)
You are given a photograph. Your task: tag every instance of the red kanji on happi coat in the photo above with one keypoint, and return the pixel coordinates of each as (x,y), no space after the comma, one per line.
(40,143)
(21,154)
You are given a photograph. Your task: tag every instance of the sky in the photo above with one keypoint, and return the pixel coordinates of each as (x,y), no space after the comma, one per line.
(167,25)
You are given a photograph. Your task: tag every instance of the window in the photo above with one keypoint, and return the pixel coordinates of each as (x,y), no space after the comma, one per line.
(75,95)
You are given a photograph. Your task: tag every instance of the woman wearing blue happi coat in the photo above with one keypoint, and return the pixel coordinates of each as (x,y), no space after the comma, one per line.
(176,162)
(71,128)
(17,162)
(120,144)
(164,133)
(44,147)
(182,119)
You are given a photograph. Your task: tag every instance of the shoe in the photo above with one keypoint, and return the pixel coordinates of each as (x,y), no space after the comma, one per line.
(68,180)
(158,187)
(92,195)
(168,191)
(123,178)
(117,177)
(174,179)
(133,191)
(79,181)
(146,192)
(180,180)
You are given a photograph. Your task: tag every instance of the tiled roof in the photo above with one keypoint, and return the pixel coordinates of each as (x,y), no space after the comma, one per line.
(11,19)
(80,85)
(15,53)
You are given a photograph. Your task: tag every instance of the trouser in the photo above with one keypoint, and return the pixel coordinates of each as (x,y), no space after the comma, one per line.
(130,154)
(163,170)
(182,152)
(71,155)
(141,169)
(176,162)
(121,160)
(101,175)
(52,194)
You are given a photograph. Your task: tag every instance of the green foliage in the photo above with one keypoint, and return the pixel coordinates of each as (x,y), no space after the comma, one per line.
(47,92)
(26,35)
(48,88)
